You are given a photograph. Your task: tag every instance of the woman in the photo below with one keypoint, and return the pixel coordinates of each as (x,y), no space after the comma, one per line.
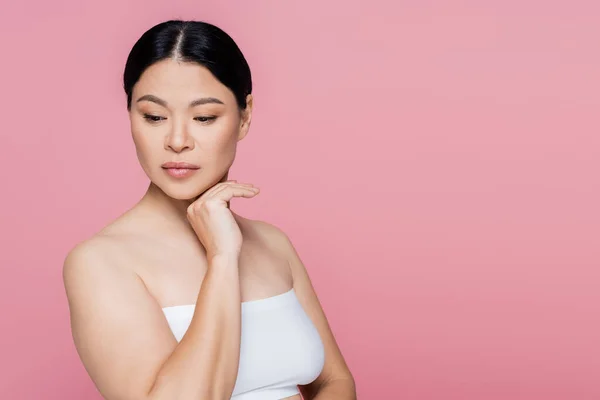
(181,298)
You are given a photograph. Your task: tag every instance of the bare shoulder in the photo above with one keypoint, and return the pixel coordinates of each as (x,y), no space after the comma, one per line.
(280,243)
(92,258)
(103,253)
(118,328)
(93,276)
(272,235)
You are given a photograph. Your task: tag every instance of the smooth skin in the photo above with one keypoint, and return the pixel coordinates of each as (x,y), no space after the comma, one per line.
(182,244)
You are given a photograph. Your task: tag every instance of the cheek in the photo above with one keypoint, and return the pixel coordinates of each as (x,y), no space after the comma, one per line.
(144,146)
(220,147)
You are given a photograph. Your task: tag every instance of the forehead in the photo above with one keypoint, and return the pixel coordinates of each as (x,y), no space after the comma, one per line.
(178,81)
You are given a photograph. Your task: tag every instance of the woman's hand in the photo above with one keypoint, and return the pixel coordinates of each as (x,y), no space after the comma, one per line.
(212,220)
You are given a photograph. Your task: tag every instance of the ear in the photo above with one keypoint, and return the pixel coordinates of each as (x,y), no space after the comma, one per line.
(246,118)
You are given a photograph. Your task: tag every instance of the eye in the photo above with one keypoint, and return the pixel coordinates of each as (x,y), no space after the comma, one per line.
(205,119)
(153,118)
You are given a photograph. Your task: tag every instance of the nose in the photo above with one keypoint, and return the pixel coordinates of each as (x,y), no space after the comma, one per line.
(179,139)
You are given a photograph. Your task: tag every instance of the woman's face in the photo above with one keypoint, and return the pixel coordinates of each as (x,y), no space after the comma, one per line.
(181,113)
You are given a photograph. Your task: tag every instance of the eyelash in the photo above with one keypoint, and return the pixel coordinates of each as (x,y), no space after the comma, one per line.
(150,118)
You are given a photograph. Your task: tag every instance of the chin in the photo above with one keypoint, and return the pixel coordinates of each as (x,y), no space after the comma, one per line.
(182,190)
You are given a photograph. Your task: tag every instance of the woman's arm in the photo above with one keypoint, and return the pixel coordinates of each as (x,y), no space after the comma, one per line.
(343,388)
(125,343)
(205,363)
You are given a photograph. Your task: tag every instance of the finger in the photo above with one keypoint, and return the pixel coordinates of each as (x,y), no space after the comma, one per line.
(224,187)
(218,187)
(237,183)
(214,189)
(235,191)
(237,188)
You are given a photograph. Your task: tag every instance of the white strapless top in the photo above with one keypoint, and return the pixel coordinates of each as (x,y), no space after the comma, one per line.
(280,347)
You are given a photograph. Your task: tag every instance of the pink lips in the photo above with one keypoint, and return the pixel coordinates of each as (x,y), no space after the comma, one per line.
(179,169)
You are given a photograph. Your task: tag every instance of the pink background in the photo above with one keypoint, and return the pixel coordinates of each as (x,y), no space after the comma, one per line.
(435,164)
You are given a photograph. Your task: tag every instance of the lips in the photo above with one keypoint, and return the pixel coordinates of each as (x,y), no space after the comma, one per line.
(179,165)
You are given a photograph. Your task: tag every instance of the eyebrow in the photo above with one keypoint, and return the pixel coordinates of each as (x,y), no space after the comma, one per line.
(197,102)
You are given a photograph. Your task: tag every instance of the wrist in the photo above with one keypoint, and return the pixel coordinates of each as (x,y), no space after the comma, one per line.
(223,259)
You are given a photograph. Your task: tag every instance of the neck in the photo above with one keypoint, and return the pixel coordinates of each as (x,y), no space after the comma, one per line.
(158,203)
